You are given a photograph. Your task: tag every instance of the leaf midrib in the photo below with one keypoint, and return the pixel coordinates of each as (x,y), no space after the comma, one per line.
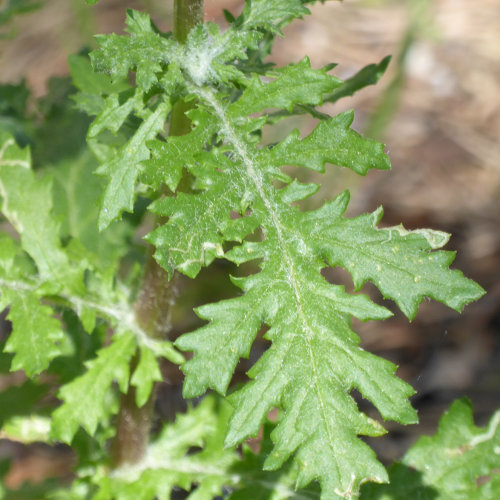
(241,149)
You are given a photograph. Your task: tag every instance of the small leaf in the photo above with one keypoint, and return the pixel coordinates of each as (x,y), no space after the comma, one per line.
(369,75)
(95,385)
(331,141)
(37,337)
(144,51)
(450,464)
(262,13)
(124,168)
(294,84)
(145,375)
(167,463)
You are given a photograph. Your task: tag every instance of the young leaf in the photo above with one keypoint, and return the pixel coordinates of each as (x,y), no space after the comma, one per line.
(168,464)
(269,15)
(145,51)
(461,461)
(124,166)
(95,386)
(36,337)
(145,375)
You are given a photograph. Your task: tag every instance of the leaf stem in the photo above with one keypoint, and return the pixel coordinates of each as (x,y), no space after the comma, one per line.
(157,293)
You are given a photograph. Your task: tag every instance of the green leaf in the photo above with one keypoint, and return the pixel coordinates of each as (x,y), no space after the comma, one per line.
(145,51)
(297,83)
(459,454)
(315,360)
(36,337)
(33,221)
(168,464)
(399,262)
(331,141)
(145,375)
(76,196)
(123,168)
(369,75)
(451,463)
(80,396)
(240,205)
(269,15)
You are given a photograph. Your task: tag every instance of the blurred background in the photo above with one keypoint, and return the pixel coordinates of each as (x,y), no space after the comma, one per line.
(438,110)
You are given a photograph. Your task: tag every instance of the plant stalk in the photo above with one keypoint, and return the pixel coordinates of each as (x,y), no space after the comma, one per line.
(157,293)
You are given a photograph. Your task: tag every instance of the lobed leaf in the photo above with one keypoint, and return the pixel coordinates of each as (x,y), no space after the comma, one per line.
(315,361)
(461,461)
(37,337)
(145,51)
(123,168)
(332,141)
(95,385)
(269,15)
(235,210)
(400,263)
(296,83)
(167,463)
(33,221)
(145,375)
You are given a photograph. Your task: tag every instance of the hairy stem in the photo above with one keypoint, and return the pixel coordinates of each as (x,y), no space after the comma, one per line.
(187,14)
(157,293)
